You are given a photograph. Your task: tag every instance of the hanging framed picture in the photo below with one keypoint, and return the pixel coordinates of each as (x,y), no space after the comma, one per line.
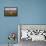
(10,11)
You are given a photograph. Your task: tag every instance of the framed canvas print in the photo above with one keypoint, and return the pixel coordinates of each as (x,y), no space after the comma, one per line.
(10,11)
(32,32)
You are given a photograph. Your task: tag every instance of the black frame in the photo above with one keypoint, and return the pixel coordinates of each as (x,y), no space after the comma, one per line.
(11,15)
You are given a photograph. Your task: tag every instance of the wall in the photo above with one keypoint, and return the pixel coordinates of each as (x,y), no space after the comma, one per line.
(29,12)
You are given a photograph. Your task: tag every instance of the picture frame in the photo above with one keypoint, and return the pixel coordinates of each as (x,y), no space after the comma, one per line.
(10,11)
(33,31)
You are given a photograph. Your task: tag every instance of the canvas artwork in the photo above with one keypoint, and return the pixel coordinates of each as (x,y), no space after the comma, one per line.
(10,11)
(33,32)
